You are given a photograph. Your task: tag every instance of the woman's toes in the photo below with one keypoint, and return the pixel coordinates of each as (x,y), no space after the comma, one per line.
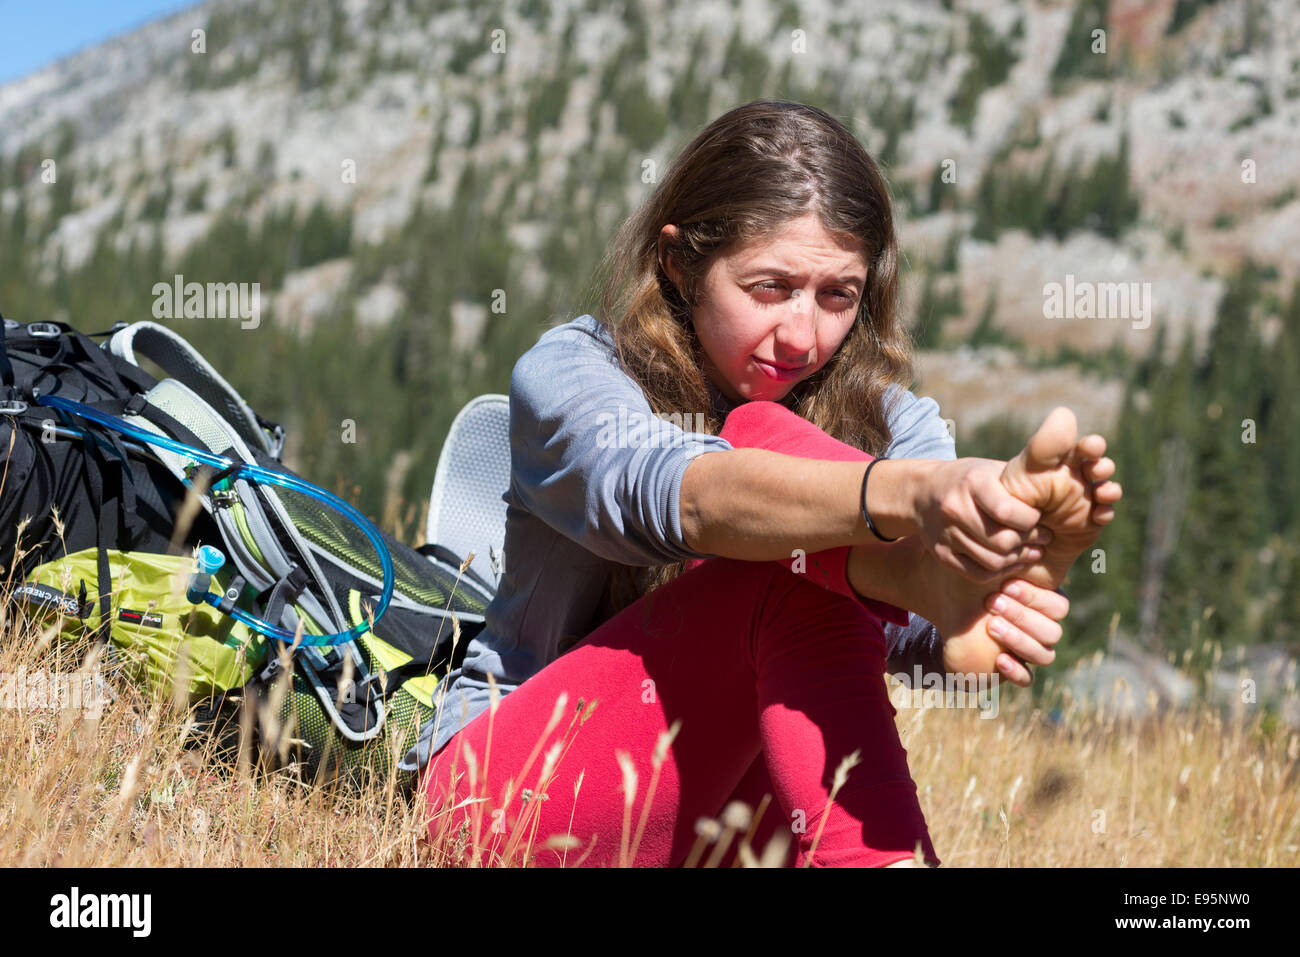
(1028,476)
(1093,446)
(1100,470)
(1108,493)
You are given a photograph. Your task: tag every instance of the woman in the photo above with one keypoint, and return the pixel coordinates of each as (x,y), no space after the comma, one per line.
(727,582)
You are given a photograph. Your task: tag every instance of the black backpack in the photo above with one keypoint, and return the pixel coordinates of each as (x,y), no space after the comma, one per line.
(354,705)
(99,493)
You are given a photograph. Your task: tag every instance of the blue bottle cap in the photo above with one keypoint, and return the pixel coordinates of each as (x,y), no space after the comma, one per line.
(210,559)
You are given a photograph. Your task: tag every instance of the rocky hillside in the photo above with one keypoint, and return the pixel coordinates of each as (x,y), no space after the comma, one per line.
(395,165)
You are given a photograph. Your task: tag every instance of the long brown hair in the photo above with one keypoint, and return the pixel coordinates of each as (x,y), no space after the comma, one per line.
(743,177)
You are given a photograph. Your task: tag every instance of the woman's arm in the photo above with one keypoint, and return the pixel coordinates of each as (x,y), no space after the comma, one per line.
(910,574)
(580,455)
(758,505)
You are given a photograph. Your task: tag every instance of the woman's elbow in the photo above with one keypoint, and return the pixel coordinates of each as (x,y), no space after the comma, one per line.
(699,480)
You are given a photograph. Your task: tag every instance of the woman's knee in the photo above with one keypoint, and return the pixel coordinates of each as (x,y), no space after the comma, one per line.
(764,424)
(748,423)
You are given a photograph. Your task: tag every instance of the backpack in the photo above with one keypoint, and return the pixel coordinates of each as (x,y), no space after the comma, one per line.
(86,431)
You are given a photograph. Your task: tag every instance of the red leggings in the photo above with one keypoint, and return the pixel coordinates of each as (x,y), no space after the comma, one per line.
(775,677)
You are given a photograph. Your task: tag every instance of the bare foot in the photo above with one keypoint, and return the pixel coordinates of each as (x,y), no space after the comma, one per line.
(1054,473)
(957,607)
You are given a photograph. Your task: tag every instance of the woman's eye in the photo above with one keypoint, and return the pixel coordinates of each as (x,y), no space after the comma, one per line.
(773,286)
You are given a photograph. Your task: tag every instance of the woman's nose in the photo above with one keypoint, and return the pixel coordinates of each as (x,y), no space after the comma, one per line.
(797,334)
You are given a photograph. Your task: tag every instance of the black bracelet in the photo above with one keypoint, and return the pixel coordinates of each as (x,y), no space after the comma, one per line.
(870,524)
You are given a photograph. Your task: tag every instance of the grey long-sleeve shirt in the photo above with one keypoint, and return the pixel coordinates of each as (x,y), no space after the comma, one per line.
(586,490)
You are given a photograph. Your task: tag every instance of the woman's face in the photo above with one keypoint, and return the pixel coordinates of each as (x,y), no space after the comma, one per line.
(773,313)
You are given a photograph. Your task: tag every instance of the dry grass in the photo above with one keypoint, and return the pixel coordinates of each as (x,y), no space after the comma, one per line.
(118,784)
(122,788)
(1190,788)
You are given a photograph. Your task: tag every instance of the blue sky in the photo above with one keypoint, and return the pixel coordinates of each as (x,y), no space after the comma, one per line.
(36,32)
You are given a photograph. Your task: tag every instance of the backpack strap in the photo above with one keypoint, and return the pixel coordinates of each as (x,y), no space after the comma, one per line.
(96,464)
(287,589)
(54,347)
(390,682)
(95,482)
(444,554)
(184,363)
(6,367)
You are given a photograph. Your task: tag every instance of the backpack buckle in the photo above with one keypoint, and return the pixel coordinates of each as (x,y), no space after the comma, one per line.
(43,330)
(231,595)
(374,678)
(277,441)
(13,407)
(271,671)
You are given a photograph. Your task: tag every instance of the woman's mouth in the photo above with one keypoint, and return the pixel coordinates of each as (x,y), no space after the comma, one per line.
(777,372)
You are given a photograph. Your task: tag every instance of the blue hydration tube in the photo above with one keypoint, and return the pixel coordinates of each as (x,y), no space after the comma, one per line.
(254,473)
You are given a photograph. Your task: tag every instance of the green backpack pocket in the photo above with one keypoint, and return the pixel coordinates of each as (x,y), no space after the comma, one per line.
(159,639)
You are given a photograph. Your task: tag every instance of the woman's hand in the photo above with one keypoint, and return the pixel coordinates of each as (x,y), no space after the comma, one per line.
(965,613)
(973,525)
(1026,625)
(987,631)
(1066,482)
